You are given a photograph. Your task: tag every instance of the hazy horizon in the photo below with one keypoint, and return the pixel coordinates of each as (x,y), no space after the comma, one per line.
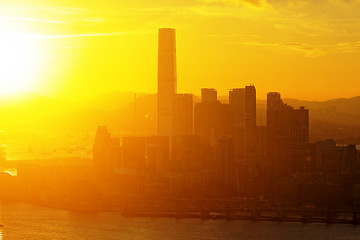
(138,94)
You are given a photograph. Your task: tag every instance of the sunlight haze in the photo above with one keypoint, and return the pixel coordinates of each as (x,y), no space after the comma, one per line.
(82,49)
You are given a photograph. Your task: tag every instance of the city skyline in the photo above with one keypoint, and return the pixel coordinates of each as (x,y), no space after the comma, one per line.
(230,158)
(179,119)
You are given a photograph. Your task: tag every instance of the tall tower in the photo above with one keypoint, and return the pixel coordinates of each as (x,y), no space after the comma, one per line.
(237,104)
(166,80)
(250,122)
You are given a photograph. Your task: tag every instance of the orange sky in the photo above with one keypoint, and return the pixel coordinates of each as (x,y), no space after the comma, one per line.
(80,48)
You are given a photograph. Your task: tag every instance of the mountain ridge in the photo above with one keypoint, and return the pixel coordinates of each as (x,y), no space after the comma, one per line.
(117,109)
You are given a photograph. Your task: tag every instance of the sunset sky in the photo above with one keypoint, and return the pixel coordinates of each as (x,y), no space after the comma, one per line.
(80,48)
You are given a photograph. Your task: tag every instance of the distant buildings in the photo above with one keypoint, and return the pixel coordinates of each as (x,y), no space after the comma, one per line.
(250,123)
(105,149)
(134,152)
(237,104)
(336,163)
(226,163)
(216,149)
(157,153)
(287,130)
(183,117)
(208,95)
(186,154)
(212,150)
(212,119)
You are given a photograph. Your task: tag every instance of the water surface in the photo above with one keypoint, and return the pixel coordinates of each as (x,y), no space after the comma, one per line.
(24,221)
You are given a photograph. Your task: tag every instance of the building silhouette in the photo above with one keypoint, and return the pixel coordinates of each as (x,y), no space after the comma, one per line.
(287,132)
(186,153)
(157,153)
(106,150)
(250,123)
(237,101)
(212,119)
(226,162)
(183,115)
(208,95)
(338,164)
(166,80)
(134,152)
(237,104)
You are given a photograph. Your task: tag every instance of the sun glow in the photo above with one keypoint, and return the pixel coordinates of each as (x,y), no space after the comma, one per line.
(19,62)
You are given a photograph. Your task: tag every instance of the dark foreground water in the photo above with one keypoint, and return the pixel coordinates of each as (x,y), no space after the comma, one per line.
(23,221)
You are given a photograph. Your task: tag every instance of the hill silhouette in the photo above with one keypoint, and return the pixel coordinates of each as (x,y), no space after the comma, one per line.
(335,118)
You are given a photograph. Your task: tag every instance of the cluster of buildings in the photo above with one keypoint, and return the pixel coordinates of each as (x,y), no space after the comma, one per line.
(205,149)
(215,149)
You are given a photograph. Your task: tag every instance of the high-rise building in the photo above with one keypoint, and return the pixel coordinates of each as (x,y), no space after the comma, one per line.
(212,119)
(157,153)
(285,121)
(205,114)
(226,162)
(101,146)
(186,153)
(166,80)
(208,95)
(106,150)
(250,122)
(237,104)
(134,151)
(287,130)
(183,114)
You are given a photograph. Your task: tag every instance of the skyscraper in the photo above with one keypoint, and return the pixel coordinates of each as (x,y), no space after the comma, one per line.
(166,80)
(250,122)
(106,150)
(237,104)
(287,130)
(212,119)
(183,115)
(226,162)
